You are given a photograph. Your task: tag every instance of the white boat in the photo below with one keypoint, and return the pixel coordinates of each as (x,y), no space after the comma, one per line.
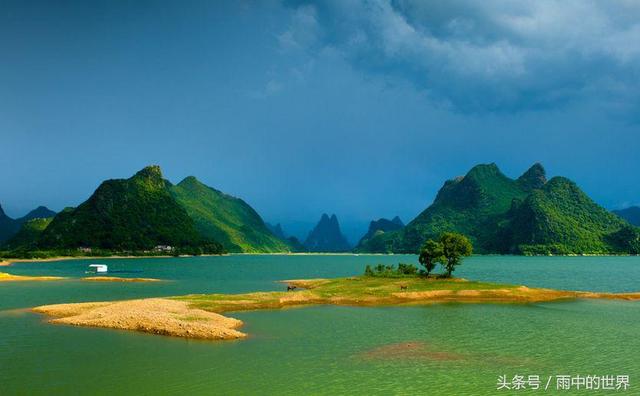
(98,268)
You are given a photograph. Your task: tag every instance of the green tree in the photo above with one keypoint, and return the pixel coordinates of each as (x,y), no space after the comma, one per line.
(454,248)
(431,254)
(368,271)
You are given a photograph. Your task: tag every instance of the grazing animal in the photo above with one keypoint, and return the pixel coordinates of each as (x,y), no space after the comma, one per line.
(290,288)
(403,287)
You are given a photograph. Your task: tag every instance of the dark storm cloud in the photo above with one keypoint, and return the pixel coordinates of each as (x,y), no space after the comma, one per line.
(486,56)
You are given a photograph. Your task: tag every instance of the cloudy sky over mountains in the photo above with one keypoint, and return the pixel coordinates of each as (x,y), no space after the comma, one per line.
(362,108)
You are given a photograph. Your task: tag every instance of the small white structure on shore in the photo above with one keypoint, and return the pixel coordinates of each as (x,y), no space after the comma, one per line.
(163,248)
(98,268)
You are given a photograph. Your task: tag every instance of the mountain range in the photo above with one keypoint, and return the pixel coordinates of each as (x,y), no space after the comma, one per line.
(146,212)
(528,215)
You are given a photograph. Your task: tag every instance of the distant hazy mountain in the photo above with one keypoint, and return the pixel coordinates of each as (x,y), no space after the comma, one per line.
(276,230)
(9,227)
(292,242)
(631,214)
(502,215)
(379,227)
(226,219)
(326,236)
(138,213)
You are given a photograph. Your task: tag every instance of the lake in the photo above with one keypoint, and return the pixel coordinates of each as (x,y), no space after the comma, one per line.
(440,349)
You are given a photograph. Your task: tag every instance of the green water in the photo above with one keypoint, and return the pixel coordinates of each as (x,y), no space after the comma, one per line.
(446,349)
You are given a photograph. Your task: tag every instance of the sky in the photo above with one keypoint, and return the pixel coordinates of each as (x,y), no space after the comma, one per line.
(353,107)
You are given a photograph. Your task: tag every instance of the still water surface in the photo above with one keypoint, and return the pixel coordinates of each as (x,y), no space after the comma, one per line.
(445,349)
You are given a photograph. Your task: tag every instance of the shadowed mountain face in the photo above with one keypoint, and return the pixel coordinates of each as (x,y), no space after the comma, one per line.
(29,234)
(327,237)
(226,219)
(379,227)
(534,178)
(631,214)
(292,242)
(10,227)
(501,215)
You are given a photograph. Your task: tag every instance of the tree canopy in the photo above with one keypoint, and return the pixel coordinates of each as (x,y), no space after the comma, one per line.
(448,250)
(431,254)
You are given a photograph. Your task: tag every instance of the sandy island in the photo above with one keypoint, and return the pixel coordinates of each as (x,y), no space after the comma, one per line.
(153,315)
(118,279)
(4,277)
(199,316)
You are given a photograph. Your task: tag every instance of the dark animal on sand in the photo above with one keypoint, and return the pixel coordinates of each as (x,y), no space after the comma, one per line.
(290,288)
(403,287)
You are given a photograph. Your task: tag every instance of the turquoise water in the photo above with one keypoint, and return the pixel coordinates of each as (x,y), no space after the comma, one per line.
(446,349)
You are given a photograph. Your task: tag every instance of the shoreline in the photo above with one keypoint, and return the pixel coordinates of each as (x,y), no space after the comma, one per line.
(6,262)
(190,316)
(6,277)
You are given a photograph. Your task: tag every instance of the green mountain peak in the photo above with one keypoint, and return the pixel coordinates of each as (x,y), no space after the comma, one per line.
(189,180)
(151,172)
(226,219)
(138,213)
(534,178)
(481,171)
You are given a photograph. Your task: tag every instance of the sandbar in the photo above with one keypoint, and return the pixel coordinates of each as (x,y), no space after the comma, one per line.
(152,315)
(4,277)
(118,279)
